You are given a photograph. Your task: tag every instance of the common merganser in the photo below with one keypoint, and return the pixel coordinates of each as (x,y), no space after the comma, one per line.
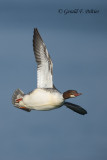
(46,96)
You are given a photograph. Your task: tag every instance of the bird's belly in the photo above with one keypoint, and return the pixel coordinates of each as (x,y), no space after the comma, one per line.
(43,100)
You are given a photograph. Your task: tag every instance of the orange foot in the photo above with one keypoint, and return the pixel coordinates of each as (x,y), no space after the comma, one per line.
(18,100)
(25,109)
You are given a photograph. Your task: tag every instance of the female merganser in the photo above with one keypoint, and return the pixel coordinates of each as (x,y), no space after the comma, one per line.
(46,96)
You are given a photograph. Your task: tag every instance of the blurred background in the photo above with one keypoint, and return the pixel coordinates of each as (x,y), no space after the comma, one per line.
(77,44)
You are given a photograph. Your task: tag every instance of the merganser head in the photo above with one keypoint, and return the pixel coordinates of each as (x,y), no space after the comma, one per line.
(71,94)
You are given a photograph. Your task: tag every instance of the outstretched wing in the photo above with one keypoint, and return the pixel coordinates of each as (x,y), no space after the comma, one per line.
(75,108)
(44,63)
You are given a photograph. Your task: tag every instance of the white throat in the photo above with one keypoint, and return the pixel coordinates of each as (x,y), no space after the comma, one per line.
(72,96)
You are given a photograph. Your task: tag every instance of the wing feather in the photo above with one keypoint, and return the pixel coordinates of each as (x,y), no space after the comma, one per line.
(44,62)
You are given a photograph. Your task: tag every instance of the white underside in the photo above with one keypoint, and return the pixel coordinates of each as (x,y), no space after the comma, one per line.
(41,99)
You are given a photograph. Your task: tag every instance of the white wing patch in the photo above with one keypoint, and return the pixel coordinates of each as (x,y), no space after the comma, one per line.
(44,63)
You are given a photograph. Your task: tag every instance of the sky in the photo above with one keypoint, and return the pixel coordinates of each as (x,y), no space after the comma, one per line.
(77,43)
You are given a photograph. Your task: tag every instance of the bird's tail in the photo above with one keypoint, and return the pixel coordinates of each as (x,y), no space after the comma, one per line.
(17,95)
(75,108)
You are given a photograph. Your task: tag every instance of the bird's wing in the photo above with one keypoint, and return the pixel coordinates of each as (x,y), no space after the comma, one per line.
(75,108)
(44,62)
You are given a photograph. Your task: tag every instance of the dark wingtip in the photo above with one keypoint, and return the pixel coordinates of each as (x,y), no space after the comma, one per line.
(35,30)
(35,35)
(83,111)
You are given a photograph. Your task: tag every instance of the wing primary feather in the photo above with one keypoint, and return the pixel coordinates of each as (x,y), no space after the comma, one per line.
(44,62)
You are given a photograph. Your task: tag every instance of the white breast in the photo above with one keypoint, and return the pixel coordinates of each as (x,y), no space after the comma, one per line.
(41,99)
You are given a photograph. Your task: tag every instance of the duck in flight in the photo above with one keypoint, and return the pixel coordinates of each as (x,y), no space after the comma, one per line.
(46,96)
